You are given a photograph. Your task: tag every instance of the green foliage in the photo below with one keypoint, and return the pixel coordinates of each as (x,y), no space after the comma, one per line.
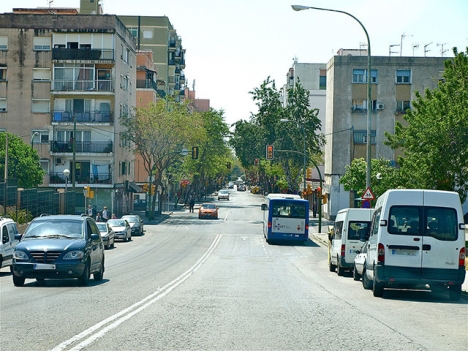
(435,139)
(21,216)
(23,161)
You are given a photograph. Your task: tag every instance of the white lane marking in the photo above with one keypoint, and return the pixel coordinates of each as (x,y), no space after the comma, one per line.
(129,312)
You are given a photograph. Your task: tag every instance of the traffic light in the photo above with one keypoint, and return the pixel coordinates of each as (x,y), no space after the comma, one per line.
(325,199)
(145,188)
(269,152)
(309,173)
(194,152)
(228,165)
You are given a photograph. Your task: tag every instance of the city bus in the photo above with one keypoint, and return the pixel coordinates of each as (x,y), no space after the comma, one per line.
(285,217)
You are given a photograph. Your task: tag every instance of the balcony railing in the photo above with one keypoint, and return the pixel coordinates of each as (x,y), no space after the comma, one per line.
(85,117)
(100,178)
(82,54)
(146,84)
(97,147)
(83,85)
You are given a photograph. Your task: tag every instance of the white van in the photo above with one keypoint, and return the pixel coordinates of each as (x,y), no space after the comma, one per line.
(350,231)
(417,238)
(8,230)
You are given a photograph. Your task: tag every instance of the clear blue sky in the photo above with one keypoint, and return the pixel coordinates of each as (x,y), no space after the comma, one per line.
(233,46)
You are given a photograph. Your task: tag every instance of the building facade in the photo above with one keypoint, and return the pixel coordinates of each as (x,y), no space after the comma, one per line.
(394,82)
(66,80)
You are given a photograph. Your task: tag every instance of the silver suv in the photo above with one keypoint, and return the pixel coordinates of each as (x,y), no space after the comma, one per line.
(223,195)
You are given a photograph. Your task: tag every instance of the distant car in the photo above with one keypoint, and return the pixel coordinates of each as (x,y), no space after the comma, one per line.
(59,247)
(359,266)
(231,185)
(241,187)
(107,234)
(223,195)
(136,224)
(121,229)
(208,211)
(8,231)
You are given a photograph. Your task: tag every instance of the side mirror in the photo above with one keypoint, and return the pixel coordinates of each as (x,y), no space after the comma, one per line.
(18,236)
(95,237)
(264,207)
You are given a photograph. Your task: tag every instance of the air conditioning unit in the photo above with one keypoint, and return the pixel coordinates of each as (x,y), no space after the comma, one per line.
(380,106)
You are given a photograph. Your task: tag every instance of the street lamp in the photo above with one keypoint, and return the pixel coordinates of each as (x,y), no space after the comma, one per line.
(369,102)
(32,138)
(66,173)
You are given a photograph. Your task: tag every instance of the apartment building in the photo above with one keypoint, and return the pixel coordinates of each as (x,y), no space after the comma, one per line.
(65,79)
(157,34)
(394,82)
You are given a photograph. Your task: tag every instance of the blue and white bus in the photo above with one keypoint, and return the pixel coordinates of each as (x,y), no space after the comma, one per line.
(285,217)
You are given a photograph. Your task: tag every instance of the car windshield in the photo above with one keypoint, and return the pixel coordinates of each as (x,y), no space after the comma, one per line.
(223,192)
(116,222)
(131,219)
(55,229)
(102,227)
(209,206)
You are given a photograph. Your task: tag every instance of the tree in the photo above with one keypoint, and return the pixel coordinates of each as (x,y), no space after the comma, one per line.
(435,139)
(23,161)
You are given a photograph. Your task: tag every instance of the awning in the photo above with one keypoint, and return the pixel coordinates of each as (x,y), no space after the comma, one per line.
(134,188)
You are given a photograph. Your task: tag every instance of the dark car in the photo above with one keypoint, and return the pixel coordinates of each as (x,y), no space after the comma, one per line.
(59,247)
(136,224)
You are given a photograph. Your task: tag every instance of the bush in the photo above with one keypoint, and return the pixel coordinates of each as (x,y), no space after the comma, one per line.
(20,217)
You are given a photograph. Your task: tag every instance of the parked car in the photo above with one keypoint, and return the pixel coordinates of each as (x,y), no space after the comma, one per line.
(136,223)
(8,243)
(107,234)
(359,264)
(59,247)
(208,211)
(223,194)
(241,187)
(121,229)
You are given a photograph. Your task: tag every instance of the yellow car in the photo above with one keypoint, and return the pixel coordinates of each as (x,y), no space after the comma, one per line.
(208,211)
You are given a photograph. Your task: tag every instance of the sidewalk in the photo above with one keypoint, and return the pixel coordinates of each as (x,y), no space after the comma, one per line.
(322,237)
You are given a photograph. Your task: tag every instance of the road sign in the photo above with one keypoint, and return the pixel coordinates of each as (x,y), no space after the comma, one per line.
(368,195)
(365,204)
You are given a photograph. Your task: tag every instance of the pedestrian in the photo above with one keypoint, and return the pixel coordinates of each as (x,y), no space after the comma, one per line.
(98,217)
(314,209)
(191,204)
(94,211)
(90,211)
(105,214)
(114,216)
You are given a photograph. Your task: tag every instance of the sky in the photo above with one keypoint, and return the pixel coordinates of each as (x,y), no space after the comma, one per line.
(233,46)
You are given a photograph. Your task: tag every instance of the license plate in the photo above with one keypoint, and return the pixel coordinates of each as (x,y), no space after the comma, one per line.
(404,252)
(44,266)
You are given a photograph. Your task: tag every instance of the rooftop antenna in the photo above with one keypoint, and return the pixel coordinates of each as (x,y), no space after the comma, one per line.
(295,59)
(390,52)
(415,46)
(442,51)
(401,41)
(50,3)
(426,50)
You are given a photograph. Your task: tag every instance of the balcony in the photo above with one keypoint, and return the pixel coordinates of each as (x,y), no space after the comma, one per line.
(101,85)
(85,117)
(146,84)
(182,78)
(359,110)
(63,54)
(100,178)
(95,147)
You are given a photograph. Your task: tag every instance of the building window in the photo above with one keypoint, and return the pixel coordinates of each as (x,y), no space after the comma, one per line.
(403,76)
(359,75)
(42,43)
(134,32)
(359,106)
(148,34)
(373,76)
(3,43)
(323,83)
(360,136)
(3,105)
(402,106)
(45,165)
(124,168)
(40,106)
(40,136)
(41,74)
(3,72)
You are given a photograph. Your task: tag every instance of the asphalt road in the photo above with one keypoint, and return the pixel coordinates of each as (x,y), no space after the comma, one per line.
(217,285)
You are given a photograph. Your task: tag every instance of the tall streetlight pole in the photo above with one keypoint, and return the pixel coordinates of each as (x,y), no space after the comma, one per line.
(66,173)
(369,95)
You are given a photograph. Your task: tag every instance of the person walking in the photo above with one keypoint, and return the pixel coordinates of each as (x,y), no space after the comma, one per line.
(191,204)
(90,211)
(98,217)
(105,214)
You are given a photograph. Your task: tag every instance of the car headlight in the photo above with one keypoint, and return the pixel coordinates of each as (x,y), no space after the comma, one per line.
(20,255)
(74,255)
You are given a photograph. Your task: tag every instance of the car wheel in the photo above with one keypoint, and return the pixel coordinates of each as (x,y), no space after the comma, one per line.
(356,275)
(113,243)
(366,283)
(377,288)
(339,269)
(83,280)
(130,237)
(455,292)
(18,281)
(100,274)
(107,247)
